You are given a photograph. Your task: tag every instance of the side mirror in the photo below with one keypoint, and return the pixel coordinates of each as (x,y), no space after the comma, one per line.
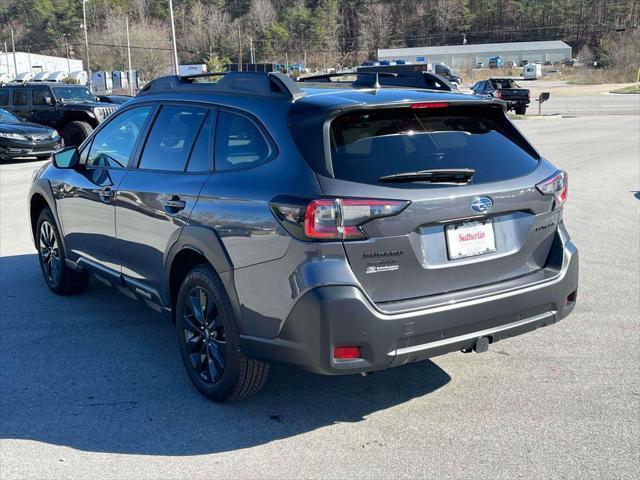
(66,158)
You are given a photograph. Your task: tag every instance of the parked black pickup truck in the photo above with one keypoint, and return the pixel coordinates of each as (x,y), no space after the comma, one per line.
(71,109)
(506,89)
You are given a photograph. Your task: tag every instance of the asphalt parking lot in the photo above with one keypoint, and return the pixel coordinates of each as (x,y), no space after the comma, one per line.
(611,104)
(92,386)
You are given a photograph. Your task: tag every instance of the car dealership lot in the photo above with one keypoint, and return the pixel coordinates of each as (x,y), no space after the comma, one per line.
(92,386)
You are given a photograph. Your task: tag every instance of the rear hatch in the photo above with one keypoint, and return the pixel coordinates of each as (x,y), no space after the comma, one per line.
(457,231)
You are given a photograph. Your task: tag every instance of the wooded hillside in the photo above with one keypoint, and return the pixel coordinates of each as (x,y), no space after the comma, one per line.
(325,33)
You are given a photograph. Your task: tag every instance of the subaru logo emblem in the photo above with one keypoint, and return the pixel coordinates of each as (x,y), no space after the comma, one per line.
(481,204)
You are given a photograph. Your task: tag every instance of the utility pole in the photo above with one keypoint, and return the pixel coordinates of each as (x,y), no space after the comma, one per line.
(239,49)
(129,58)
(15,62)
(6,57)
(66,48)
(253,58)
(176,68)
(86,42)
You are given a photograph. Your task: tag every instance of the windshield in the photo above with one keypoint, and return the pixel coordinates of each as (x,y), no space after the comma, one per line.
(73,94)
(369,144)
(6,117)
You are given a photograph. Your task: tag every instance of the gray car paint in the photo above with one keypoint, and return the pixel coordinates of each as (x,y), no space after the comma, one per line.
(265,270)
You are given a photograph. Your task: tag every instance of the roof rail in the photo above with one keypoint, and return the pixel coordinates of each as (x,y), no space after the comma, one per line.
(377,79)
(264,84)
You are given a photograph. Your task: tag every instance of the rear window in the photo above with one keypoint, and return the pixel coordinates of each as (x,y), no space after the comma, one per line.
(504,84)
(369,144)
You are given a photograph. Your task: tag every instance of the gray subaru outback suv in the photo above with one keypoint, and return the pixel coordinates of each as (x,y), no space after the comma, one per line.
(342,230)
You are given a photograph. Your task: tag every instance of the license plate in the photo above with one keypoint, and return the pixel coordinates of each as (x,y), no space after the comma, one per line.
(470,239)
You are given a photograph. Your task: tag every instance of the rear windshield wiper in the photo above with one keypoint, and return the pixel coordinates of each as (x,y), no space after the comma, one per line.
(446,175)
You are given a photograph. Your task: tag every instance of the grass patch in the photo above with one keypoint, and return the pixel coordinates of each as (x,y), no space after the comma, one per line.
(630,89)
(586,76)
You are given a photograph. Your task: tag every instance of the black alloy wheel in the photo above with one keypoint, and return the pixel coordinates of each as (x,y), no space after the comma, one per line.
(204,335)
(49,253)
(58,276)
(209,339)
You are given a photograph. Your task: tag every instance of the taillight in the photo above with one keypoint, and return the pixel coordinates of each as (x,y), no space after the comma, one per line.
(332,218)
(556,185)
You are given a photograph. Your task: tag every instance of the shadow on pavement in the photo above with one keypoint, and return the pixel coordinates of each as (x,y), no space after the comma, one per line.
(99,372)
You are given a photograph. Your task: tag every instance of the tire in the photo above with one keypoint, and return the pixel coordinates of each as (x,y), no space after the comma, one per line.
(209,340)
(76,132)
(520,110)
(57,275)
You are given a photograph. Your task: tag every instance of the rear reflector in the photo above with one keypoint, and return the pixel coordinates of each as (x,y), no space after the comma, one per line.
(430,105)
(346,352)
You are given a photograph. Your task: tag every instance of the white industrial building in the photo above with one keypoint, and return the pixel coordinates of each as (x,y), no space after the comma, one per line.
(461,56)
(36,63)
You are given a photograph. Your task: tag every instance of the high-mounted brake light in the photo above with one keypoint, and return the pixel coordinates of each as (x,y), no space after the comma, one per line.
(556,185)
(340,219)
(430,105)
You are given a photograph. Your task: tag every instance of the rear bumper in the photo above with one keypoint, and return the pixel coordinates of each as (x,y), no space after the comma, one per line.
(517,103)
(330,316)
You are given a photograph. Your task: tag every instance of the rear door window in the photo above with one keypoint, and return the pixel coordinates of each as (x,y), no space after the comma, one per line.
(202,152)
(4,97)
(172,136)
(369,144)
(20,97)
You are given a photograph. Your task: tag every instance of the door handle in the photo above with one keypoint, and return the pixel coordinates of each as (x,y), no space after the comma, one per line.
(107,193)
(173,204)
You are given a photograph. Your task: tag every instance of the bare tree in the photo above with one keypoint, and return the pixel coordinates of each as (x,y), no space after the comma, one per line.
(151,62)
(374,26)
(261,15)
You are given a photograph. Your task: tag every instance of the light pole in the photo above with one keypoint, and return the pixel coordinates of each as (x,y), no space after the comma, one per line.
(129,58)
(15,62)
(86,41)
(66,47)
(173,40)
